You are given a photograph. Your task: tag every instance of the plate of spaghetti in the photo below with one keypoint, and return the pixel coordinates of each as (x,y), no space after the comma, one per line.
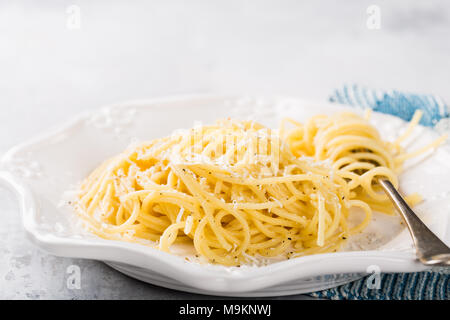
(237,196)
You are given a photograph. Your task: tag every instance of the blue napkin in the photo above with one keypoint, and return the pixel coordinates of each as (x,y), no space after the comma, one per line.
(428,285)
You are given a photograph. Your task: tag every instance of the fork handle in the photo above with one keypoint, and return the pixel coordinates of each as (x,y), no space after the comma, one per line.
(430,250)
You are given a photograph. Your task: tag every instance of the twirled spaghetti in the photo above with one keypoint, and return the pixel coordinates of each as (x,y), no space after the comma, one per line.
(238,190)
(357,152)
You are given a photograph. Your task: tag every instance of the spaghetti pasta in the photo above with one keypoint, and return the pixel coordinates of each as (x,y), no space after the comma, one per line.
(357,152)
(237,189)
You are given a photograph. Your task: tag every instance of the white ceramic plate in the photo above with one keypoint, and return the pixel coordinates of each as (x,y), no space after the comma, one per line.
(41,170)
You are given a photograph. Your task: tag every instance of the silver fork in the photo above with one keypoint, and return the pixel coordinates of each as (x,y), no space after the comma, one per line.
(430,250)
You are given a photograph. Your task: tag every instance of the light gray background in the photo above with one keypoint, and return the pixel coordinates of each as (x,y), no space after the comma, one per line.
(136,49)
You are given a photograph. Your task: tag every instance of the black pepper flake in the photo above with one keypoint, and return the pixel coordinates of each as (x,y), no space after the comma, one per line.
(289,238)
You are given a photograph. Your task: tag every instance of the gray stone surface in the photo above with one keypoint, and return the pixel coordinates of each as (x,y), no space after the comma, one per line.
(142,49)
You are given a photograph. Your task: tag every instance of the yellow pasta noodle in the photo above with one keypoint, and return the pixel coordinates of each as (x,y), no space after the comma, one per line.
(238,190)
